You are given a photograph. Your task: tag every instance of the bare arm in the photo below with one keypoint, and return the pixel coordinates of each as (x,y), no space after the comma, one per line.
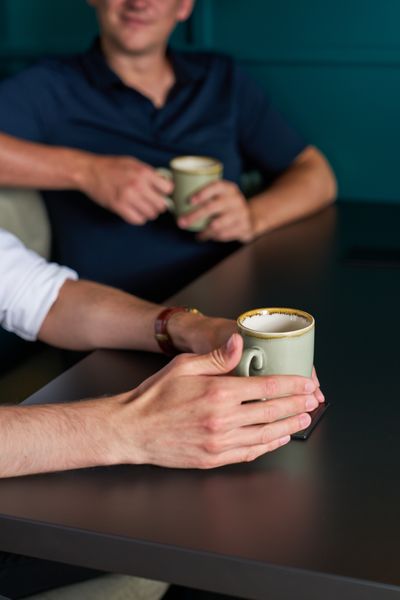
(37,439)
(124,185)
(307,186)
(32,165)
(189,415)
(88,315)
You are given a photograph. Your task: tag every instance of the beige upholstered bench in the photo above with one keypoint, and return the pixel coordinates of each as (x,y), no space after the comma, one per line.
(23,213)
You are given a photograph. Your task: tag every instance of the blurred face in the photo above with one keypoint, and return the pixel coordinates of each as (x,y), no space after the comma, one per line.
(139,26)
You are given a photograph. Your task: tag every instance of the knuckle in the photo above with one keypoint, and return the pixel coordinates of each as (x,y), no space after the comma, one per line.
(212,445)
(213,423)
(215,227)
(181,362)
(141,169)
(218,359)
(265,435)
(210,461)
(204,462)
(216,391)
(250,454)
(270,413)
(271,387)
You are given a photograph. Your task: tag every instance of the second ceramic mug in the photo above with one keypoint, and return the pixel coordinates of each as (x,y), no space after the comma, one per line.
(276,341)
(190,174)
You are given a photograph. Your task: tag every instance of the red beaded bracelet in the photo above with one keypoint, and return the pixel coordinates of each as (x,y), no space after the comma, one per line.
(160,328)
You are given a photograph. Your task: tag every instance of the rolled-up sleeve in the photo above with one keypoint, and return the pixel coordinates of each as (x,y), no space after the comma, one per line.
(28,287)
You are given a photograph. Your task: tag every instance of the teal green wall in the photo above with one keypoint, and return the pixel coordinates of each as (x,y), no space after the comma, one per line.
(332,66)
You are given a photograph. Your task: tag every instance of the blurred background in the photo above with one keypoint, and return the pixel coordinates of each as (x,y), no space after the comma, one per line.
(332,66)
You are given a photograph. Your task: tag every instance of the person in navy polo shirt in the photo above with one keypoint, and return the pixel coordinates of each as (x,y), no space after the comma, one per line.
(90,131)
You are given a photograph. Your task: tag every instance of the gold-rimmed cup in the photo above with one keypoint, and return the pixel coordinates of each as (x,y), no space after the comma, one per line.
(190,174)
(276,341)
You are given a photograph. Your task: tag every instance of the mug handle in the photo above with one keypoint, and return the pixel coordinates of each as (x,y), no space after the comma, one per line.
(168,175)
(249,355)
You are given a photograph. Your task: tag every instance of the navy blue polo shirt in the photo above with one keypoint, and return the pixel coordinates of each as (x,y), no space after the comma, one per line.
(214,109)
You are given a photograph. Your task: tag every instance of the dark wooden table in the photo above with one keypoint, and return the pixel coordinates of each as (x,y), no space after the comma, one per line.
(317,519)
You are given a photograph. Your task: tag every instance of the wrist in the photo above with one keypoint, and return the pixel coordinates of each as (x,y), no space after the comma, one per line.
(124,427)
(82,169)
(172,329)
(181,327)
(259,214)
(129,429)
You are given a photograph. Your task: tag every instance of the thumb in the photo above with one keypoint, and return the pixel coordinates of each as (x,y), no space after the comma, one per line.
(221,360)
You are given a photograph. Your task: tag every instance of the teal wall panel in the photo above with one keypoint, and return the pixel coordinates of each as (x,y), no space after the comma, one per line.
(332,66)
(354,119)
(37,26)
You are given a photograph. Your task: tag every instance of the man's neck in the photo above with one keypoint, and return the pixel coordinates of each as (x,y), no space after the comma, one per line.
(149,73)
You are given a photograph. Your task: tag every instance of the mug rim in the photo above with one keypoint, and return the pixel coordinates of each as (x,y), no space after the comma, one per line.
(216,167)
(276,334)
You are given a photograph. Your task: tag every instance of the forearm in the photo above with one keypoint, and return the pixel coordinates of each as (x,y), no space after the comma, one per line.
(306,187)
(38,439)
(87,315)
(28,164)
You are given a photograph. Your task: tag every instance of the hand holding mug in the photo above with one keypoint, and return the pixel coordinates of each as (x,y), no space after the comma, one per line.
(224,207)
(190,174)
(205,419)
(128,187)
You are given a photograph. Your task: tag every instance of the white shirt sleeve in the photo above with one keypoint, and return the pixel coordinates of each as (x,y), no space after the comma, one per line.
(29,286)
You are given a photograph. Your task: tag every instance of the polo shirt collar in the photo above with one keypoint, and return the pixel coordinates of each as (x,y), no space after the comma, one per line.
(97,69)
(187,69)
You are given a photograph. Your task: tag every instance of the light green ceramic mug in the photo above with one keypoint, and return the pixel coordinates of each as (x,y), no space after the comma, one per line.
(190,174)
(276,341)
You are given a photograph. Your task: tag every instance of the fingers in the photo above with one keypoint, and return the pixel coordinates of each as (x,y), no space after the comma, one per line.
(226,209)
(216,188)
(320,396)
(256,413)
(248,443)
(219,361)
(227,228)
(245,454)
(133,190)
(211,200)
(137,206)
(205,211)
(259,434)
(235,390)
(161,184)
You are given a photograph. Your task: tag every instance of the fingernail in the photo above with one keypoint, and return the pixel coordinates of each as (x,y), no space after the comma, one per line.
(319,395)
(284,440)
(305,420)
(311,403)
(309,386)
(229,345)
